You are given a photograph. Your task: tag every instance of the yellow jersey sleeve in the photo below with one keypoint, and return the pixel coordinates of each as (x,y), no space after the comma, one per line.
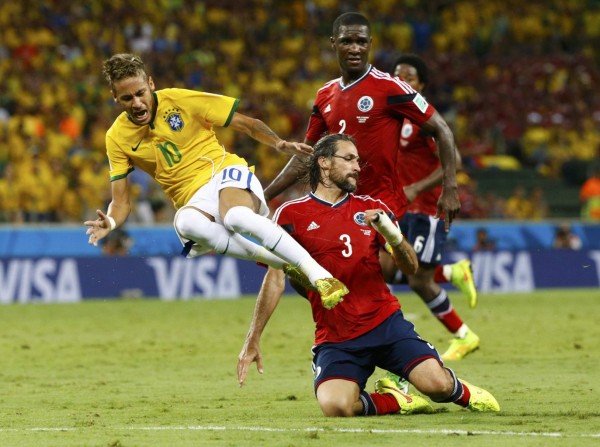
(119,163)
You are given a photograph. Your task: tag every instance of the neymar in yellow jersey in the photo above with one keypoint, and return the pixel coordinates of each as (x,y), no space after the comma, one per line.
(169,134)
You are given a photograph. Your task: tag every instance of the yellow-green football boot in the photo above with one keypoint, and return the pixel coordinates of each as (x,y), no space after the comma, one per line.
(462,279)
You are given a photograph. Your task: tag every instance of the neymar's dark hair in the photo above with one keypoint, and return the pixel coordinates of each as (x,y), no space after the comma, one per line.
(123,66)
(414,61)
(350,18)
(326,147)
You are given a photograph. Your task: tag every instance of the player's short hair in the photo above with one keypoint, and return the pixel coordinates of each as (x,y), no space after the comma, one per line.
(123,66)
(325,147)
(350,18)
(414,61)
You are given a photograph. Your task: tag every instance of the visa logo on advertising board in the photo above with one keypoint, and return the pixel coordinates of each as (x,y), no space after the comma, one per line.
(524,271)
(180,278)
(67,280)
(45,280)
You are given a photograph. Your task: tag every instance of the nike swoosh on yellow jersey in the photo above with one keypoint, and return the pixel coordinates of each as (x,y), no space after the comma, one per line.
(137,145)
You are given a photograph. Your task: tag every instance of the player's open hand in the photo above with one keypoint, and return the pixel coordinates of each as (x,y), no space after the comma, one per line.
(372,216)
(293,148)
(250,353)
(449,205)
(98,228)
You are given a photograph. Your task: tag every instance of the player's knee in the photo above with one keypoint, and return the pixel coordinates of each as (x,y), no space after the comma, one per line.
(437,386)
(433,380)
(336,406)
(237,218)
(192,224)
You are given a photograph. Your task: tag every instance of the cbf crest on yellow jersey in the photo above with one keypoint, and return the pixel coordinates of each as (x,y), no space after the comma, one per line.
(179,148)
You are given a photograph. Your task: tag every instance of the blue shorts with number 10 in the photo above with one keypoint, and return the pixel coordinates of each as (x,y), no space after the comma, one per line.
(394,345)
(427,236)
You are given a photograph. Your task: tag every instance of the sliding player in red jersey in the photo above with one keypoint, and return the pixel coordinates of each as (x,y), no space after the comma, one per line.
(345,232)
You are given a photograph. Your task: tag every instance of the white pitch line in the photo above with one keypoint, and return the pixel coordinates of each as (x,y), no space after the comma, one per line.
(320,430)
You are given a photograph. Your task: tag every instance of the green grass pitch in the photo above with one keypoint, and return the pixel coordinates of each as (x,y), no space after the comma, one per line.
(151,373)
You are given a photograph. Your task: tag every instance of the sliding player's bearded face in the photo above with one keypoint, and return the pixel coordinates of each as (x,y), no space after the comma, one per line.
(343,167)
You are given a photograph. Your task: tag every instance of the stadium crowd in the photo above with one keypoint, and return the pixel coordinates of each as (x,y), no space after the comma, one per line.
(516,80)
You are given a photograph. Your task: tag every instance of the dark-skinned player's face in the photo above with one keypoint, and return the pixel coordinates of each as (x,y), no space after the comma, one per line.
(410,76)
(352,45)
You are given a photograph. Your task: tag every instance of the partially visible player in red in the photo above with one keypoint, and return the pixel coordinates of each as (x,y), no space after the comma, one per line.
(371,106)
(420,173)
(345,232)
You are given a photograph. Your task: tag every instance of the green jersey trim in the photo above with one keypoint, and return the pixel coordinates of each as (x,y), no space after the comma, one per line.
(233,109)
(119,177)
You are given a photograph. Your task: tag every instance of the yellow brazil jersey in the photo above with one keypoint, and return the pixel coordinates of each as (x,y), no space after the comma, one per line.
(178,148)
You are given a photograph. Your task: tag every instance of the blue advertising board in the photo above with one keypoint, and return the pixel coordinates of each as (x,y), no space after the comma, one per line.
(72,279)
(38,241)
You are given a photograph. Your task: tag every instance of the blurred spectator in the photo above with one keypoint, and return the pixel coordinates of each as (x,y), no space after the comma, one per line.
(483,241)
(566,239)
(539,205)
(141,211)
(117,243)
(485,55)
(10,196)
(160,211)
(494,205)
(589,195)
(471,205)
(518,206)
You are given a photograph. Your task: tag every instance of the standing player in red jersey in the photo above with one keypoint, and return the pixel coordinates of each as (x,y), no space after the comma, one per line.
(372,106)
(420,174)
(345,232)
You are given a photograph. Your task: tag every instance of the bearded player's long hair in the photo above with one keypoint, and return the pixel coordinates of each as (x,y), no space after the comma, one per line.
(325,147)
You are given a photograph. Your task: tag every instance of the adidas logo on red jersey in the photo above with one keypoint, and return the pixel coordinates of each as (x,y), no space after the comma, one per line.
(313,226)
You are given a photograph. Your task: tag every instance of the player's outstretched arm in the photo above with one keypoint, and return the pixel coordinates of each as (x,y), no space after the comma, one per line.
(117,213)
(262,133)
(270,293)
(404,256)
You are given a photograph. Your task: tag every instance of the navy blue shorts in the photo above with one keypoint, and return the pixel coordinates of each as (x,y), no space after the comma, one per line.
(394,345)
(427,236)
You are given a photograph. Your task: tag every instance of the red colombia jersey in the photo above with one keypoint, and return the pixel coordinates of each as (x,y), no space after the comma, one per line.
(371,110)
(338,239)
(419,159)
